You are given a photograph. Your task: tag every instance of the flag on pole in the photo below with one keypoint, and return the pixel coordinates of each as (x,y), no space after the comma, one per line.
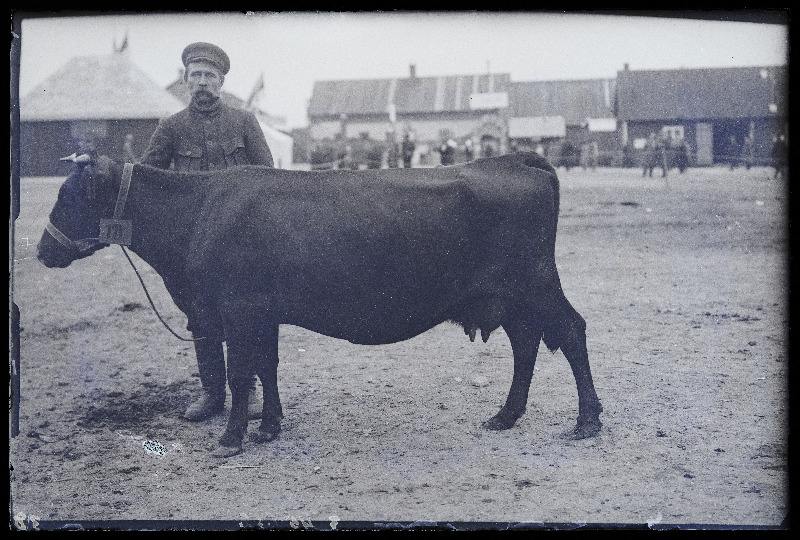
(124,45)
(256,90)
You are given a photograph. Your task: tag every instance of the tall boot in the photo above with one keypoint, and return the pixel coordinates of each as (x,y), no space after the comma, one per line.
(211,364)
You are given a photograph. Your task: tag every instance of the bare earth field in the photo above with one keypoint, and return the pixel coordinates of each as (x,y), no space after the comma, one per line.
(683,284)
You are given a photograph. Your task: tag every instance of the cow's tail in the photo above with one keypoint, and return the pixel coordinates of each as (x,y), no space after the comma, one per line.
(555,328)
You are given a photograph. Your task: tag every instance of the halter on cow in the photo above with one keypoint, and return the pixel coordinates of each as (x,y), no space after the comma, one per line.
(373,257)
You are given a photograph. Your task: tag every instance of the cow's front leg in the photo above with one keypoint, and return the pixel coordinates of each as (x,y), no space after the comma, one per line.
(242,352)
(525,336)
(267,370)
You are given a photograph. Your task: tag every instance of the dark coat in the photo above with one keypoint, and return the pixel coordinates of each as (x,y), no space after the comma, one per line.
(194,140)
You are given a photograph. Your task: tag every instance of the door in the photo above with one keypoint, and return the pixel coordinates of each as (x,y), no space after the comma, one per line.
(705,144)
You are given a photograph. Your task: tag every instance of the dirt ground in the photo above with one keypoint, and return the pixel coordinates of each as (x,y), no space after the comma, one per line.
(683,284)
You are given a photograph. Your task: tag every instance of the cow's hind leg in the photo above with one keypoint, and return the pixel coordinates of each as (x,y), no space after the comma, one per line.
(525,334)
(572,342)
(267,371)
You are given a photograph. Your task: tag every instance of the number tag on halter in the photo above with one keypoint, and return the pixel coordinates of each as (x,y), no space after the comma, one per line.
(116,231)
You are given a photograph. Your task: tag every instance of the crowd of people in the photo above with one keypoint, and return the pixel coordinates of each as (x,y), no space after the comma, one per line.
(661,151)
(365,153)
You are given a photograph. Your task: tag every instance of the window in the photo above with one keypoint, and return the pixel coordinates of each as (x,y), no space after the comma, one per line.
(673,132)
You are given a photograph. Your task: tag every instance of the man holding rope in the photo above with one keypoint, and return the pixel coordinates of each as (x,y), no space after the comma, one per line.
(207,135)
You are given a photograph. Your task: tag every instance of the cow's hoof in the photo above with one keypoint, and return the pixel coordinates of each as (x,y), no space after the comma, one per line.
(502,420)
(266,433)
(227,451)
(229,445)
(583,430)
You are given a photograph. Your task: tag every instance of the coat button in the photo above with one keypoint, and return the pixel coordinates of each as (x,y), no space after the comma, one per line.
(211,165)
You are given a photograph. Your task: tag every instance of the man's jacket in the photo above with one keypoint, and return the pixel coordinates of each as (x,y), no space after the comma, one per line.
(197,140)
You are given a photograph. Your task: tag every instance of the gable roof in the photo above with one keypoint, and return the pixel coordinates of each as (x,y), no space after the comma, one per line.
(701,93)
(574,100)
(101,87)
(409,94)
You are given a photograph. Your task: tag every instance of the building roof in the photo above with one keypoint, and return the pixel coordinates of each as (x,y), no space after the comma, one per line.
(409,95)
(575,100)
(100,87)
(701,93)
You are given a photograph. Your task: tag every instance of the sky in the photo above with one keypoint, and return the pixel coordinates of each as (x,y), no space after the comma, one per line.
(293,50)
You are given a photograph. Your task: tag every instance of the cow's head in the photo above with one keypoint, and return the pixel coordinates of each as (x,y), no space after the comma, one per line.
(86,195)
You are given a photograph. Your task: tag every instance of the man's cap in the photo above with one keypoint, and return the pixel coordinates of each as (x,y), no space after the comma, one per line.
(207,52)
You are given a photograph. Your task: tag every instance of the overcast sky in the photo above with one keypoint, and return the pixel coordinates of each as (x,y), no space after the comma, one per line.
(294,50)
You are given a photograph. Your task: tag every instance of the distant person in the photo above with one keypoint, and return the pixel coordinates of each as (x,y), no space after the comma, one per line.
(205,136)
(392,152)
(664,153)
(627,155)
(407,150)
(583,160)
(732,151)
(469,150)
(447,152)
(650,155)
(568,155)
(748,150)
(594,154)
(589,155)
(780,155)
(682,157)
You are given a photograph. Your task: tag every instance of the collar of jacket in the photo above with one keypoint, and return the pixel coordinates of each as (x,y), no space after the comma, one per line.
(211,109)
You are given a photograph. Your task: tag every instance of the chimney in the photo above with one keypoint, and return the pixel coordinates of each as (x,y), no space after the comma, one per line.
(626,66)
(412,71)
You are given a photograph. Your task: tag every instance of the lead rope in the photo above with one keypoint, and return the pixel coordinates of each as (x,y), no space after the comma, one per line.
(152,305)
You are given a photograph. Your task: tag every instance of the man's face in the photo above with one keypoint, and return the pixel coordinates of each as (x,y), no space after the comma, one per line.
(204,80)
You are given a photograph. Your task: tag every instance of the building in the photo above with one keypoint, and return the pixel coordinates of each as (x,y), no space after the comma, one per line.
(434,109)
(705,107)
(547,114)
(95,100)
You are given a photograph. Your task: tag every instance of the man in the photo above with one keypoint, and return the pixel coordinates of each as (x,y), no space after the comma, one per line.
(207,135)
(650,155)
(407,150)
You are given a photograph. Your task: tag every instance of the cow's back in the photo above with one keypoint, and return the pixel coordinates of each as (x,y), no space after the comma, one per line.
(390,245)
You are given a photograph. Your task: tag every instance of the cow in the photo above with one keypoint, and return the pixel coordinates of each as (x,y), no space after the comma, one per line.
(370,256)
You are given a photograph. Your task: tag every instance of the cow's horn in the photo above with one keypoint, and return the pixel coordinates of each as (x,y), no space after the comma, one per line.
(75,158)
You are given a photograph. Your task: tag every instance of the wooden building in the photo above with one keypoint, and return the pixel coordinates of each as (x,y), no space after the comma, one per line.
(705,107)
(91,99)
(434,109)
(550,114)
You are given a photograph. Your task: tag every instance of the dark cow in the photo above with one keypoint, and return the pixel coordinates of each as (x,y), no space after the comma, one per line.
(373,257)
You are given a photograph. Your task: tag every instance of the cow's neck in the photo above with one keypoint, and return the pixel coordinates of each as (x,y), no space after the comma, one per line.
(163,212)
